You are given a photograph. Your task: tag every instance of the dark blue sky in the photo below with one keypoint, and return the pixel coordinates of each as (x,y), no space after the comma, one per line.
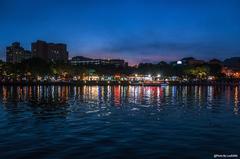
(140,30)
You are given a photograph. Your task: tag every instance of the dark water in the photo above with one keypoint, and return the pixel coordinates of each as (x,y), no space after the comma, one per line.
(119,122)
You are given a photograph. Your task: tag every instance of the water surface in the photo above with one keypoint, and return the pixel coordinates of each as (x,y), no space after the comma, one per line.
(119,122)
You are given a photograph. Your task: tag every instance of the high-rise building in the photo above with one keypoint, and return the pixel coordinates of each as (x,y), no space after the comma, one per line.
(16,54)
(50,51)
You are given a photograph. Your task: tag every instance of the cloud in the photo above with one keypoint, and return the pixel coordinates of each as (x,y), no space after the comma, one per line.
(154,48)
(141,47)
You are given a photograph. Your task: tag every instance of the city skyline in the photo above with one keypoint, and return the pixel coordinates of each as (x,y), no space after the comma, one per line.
(137,31)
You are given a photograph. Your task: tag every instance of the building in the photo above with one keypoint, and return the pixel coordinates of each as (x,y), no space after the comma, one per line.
(16,54)
(80,60)
(50,51)
(117,62)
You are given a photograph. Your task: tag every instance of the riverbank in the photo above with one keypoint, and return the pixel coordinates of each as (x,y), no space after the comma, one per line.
(123,83)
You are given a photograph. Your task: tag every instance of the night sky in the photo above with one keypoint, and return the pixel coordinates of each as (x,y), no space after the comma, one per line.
(138,31)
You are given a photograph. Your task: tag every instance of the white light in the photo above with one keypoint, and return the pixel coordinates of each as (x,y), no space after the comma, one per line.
(149,75)
(158,75)
(179,62)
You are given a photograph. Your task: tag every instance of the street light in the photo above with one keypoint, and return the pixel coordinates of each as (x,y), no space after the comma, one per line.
(179,62)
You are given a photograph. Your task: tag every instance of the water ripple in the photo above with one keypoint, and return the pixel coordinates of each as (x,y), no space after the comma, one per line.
(118,122)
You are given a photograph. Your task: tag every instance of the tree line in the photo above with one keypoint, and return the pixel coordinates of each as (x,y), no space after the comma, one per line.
(39,67)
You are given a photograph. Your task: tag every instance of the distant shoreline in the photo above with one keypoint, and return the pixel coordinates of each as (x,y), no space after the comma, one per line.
(122,83)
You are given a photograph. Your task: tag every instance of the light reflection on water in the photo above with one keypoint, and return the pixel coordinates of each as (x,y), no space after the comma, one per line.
(119,121)
(120,95)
